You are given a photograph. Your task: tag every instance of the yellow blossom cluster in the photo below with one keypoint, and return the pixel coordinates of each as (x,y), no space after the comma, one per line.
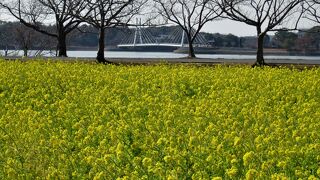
(63,120)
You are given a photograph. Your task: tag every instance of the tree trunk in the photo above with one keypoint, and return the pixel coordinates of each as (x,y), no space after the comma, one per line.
(62,45)
(6,51)
(260,57)
(100,54)
(191,52)
(25,52)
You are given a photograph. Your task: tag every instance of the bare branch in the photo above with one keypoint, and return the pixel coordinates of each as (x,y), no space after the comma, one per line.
(311,7)
(34,13)
(189,15)
(103,14)
(265,16)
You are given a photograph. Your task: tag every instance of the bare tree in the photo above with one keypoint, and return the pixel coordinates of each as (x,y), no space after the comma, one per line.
(33,13)
(190,15)
(103,14)
(265,16)
(28,39)
(5,42)
(24,38)
(312,8)
(15,36)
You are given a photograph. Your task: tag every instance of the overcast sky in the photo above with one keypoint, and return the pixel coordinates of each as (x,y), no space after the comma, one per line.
(228,26)
(240,29)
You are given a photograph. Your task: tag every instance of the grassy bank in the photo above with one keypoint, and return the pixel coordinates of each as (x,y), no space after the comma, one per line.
(290,63)
(82,120)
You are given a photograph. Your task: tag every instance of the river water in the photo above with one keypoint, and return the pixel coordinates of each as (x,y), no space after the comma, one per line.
(169,55)
(161,55)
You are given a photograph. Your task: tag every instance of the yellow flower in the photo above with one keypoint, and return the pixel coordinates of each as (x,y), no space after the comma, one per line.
(147,162)
(99,176)
(136,122)
(312,177)
(236,141)
(248,158)
(232,172)
(217,178)
(251,174)
(167,159)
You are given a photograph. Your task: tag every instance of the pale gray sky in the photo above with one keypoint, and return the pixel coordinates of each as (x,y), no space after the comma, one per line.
(240,29)
(228,26)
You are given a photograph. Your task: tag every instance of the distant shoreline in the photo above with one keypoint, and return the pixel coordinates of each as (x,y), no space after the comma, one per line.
(249,51)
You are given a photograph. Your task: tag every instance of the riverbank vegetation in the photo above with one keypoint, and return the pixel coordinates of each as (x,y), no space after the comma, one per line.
(85,120)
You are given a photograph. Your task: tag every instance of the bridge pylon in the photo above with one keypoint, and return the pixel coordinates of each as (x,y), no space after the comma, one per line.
(138,33)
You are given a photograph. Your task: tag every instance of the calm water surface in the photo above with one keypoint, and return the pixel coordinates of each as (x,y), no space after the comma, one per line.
(161,55)
(168,55)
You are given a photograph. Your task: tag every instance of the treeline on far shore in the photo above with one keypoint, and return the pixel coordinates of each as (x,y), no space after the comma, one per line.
(14,35)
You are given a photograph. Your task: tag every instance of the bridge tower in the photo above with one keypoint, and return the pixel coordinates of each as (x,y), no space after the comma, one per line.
(138,33)
(182,38)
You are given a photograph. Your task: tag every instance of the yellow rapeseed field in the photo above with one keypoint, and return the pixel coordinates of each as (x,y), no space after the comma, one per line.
(87,121)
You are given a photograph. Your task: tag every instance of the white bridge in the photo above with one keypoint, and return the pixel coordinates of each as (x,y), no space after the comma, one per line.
(143,38)
(151,45)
